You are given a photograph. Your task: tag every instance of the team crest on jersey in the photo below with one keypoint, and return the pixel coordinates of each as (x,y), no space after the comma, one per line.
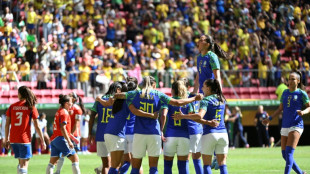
(295,97)
(205,64)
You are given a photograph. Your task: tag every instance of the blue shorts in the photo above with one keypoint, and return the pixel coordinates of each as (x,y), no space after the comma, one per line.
(30,26)
(60,148)
(22,151)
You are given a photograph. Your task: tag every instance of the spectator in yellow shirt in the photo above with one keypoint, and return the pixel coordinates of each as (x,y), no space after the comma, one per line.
(84,76)
(262,72)
(89,39)
(12,68)
(31,19)
(24,67)
(118,72)
(162,9)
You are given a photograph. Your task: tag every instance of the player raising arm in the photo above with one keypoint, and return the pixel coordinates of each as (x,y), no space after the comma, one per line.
(292,101)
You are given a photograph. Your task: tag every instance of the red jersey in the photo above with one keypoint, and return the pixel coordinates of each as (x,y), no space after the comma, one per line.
(61,116)
(21,116)
(75,114)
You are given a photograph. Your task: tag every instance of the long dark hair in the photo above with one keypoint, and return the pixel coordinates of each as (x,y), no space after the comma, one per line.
(113,88)
(216,48)
(215,88)
(118,104)
(63,99)
(81,104)
(28,95)
(300,85)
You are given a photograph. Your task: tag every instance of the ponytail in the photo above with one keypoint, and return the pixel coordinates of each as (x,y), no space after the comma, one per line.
(81,104)
(147,85)
(28,95)
(118,104)
(216,48)
(215,87)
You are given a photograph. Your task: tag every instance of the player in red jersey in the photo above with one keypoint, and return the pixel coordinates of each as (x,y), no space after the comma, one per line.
(19,117)
(61,143)
(75,112)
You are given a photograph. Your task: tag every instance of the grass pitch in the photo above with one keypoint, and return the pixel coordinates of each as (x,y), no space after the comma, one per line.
(250,161)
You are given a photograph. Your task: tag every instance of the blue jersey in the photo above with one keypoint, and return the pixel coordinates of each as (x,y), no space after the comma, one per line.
(149,103)
(177,128)
(194,127)
(205,65)
(130,124)
(104,113)
(293,101)
(117,124)
(215,110)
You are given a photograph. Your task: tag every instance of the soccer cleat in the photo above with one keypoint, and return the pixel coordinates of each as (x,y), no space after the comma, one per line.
(97,171)
(214,164)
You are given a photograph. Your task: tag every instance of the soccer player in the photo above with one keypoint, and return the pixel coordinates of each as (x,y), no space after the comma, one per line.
(262,130)
(292,101)
(62,145)
(195,133)
(176,137)
(207,61)
(19,115)
(115,130)
(42,124)
(148,138)
(208,67)
(2,132)
(211,115)
(104,113)
(76,111)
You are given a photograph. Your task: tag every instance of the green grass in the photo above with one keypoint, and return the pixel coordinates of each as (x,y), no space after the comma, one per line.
(252,160)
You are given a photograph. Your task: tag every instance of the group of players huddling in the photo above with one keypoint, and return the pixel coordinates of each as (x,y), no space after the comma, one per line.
(128,124)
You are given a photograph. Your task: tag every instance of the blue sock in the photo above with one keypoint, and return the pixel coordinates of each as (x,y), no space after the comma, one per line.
(49,146)
(207,169)
(153,170)
(223,169)
(113,171)
(168,167)
(198,166)
(3,150)
(39,150)
(134,171)
(295,167)
(183,167)
(124,168)
(289,151)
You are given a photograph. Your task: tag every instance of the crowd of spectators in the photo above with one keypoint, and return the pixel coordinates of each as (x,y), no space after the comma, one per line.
(102,39)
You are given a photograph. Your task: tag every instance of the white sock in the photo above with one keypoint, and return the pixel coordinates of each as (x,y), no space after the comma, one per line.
(18,167)
(76,168)
(60,163)
(23,171)
(50,168)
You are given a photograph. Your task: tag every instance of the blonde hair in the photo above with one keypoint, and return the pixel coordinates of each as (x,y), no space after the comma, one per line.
(147,85)
(180,89)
